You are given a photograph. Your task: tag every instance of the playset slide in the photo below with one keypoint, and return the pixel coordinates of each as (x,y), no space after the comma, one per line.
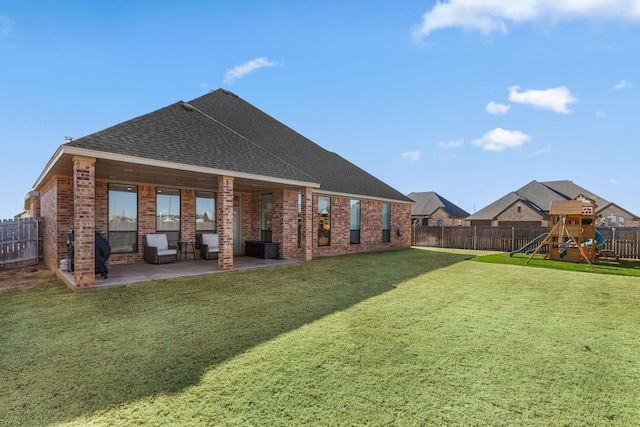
(600,240)
(531,245)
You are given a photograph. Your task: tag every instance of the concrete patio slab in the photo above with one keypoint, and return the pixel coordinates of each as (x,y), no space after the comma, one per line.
(125,274)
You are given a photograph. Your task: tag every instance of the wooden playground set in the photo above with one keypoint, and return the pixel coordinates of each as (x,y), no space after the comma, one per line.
(572,236)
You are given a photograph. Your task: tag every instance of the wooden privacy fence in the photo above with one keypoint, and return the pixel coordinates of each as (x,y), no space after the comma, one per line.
(20,240)
(622,241)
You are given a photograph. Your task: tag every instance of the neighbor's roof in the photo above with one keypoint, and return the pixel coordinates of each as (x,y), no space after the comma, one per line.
(427,202)
(538,195)
(571,190)
(221,131)
(494,209)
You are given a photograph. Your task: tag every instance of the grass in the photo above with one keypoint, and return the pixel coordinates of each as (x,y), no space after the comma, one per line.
(623,267)
(412,337)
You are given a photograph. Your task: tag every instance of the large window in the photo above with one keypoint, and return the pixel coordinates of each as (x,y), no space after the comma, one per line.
(324,221)
(205,214)
(354,227)
(266,217)
(168,214)
(123,218)
(386,222)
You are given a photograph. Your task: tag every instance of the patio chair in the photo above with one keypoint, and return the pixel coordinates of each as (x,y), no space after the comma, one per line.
(157,251)
(209,246)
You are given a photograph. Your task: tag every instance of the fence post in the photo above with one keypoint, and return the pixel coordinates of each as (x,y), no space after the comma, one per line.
(475,238)
(442,237)
(613,240)
(38,241)
(513,238)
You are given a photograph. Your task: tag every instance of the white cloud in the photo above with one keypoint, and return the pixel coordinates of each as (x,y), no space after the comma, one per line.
(495,108)
(613,181)
(242,70)
(601,114)
(411,156)
(555,99)
(500,139)
(489,16)
(451,144)
(624,84)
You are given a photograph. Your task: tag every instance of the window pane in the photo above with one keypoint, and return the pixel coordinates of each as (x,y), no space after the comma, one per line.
(355,215)
(324,221)
(123,218)
(267,212)
(205,211)
(386,222)
(386,216)
(354,235)
(168,213)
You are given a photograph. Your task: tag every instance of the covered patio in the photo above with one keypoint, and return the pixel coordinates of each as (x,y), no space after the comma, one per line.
(126,274)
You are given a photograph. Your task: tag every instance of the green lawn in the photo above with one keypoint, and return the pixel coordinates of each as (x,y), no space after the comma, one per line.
(411,337)
(623,267)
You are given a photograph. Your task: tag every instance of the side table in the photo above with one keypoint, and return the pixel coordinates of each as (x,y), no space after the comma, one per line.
(186,247)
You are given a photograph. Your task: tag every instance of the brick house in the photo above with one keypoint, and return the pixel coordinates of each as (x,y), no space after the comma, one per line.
(529,206)
(215,164)
(432,209)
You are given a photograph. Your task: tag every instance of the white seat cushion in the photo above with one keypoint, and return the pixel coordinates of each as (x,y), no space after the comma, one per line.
(211,240)
(158,241)
(167,252)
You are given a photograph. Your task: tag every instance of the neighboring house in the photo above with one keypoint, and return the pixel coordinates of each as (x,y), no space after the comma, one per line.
(529,206)
(213,164)
(433,209)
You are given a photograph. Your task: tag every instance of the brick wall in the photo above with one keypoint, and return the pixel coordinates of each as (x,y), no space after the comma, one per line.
(56,204)
(102,206)
(370,227)
(307,232)
(288,223)
(527,215)
(612,209)
(441,215)
(188,214)
(250,220)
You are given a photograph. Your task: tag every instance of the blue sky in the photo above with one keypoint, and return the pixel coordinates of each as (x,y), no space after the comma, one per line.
(471,99)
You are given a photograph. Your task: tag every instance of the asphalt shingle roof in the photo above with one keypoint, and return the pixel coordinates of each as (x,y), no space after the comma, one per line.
(333,172)
(538,195)
(177,135)
(427,202)
(571,190)
(494,209)
(223,131)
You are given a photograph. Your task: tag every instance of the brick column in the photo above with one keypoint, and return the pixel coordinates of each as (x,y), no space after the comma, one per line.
(225,222)
(84,217)
(287,224)
(306,237)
